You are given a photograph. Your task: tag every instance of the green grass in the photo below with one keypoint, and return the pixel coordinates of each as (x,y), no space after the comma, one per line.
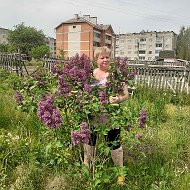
(35,158)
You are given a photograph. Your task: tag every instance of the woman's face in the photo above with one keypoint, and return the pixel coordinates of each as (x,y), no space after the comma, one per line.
(103,62)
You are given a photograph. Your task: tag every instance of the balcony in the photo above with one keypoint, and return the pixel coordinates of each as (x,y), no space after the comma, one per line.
(108,41)
(96,39)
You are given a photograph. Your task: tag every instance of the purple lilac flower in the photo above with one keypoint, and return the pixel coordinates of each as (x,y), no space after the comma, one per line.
(75,136)
(63,86)
(87,88)
(121,63)
(78,69)
(102,97)
(39,75)
(85,132)
(19,98)
(142,119)
(48,113)
(84,126)
(57,67)
(132,75)
(139,136)
(81,136)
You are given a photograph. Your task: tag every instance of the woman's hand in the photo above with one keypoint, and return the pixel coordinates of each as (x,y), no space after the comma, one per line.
(114,99)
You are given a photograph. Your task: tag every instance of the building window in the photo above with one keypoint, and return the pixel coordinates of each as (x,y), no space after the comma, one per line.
(156,57)
(142,52)
(97,35)
(150,46)
(129,47)
(74,26)
(158,45)
(122,41)
(149,58)
(129,52)
(142,39)
(96,44)
(108,37)
(142,58)
(157,51)
(150,52)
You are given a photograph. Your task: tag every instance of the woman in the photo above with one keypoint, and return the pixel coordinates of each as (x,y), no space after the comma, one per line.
(102,56)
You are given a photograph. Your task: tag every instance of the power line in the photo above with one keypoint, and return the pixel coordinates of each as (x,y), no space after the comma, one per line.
(124,11)
(158,10)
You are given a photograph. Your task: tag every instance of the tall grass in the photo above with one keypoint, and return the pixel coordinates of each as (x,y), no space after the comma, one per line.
(35,158)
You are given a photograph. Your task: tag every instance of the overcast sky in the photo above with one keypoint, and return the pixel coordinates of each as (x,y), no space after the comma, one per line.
(125,16)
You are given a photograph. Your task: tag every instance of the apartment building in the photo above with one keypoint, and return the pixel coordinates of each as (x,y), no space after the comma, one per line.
(51,42)
(83,35)
(144,45)
(4,36)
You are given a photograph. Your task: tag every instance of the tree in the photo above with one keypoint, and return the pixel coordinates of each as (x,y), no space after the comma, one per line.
(40,51)
(24,38)
(183,44)
(166,54)
(3,47)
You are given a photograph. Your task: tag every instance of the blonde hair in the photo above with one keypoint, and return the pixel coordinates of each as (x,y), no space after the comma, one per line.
(102,51)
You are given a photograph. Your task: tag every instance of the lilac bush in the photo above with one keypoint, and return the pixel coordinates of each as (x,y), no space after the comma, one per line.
(80,97)
(71,98)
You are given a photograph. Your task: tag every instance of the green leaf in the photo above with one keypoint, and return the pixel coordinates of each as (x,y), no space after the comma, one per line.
(77,164)
(48,147)
(97,181)
(107,150)
(58,144)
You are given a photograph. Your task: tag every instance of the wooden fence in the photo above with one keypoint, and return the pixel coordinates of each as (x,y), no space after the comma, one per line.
(173,77)
(48,62)
(13,63)
(161,75)
(177,63)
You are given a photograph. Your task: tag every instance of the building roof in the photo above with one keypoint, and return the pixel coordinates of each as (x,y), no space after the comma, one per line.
(147,32)
(83,20)
(4,29)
